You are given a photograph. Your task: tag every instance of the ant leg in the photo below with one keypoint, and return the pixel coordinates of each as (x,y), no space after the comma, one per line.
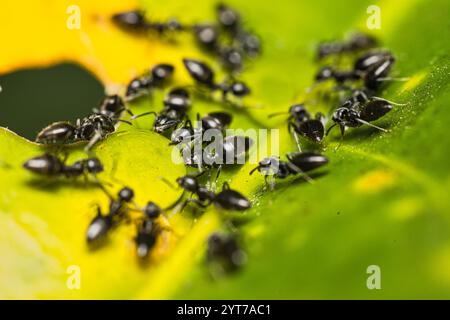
(226,186)
(96,138)
(342,129)
(167,182)
(300,171)
(297,141)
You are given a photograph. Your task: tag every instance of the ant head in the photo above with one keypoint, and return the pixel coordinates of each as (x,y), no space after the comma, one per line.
(161,73)
(134,87)
(111,105)
(152,210)
(206,35)
(227,17)
(94,165)
(126,194)
(324,74)
(240,89)
(188,183)
(298,111)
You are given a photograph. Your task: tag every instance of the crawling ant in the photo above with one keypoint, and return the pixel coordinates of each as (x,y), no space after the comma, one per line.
(204,75)
(227,199)
(101,224)
(298,163)
(302,123)
(213,120)
(230,150)
(357,42)
(91,128)
(353,114)
(148,230)
(51,166)
(176,105)
(224,251)
(134,21)
(157,77)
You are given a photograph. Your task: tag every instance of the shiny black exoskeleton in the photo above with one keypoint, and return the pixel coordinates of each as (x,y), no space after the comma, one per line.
(176,105)
(135,21)
(111,106)
(52,166)
(340,77)
(157,77)
(298,163)
(224,251)
(302,122)
(230,150)
(101,224)
(227,199)
(357,42)
(355,114)
(213,120)
(148,230)
(204,76)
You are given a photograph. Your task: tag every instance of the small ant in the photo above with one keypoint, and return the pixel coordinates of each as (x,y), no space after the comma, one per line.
(302,123)
(353,114)
(176,105)
(101,224)
(134,21)
(159,75)
(227,199)
(213,120)
(357,42)
(50,165)
(298,163)
(204,75)
(224,251)
(148,230)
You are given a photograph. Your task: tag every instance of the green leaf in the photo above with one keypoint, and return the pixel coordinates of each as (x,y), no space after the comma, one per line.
(381,202)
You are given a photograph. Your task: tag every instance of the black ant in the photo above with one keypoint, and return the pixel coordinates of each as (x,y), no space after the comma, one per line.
(159,75)
(353,114)
(204,75)
(302,123)
(225,252)
(135,21)
(176,105)
(298,163)
(91,128)
(230,150)
(357,42)
(52,166)
(131,20)
(148,230)
(101,224)
(227,199)
(213,120)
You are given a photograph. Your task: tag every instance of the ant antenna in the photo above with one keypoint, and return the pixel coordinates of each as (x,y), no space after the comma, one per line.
(170,184)
(277,114)
(253,170)
(330,128)
(144,114)
(389,101)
